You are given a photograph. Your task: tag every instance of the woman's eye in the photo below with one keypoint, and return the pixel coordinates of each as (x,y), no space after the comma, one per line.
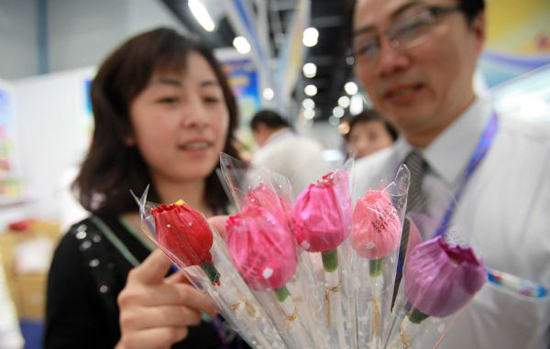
(211,100)
(168,100)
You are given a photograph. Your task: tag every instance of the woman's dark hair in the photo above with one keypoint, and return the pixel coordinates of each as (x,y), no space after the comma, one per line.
(112,168)
(270,118)
(370,115)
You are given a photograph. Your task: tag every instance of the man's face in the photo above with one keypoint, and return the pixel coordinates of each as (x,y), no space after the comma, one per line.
(261,134)
(422,88)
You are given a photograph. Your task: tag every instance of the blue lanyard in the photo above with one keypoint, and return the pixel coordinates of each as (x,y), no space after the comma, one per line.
(481,150)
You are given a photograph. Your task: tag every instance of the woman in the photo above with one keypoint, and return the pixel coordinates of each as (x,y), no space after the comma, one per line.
(368,133)
(163,113)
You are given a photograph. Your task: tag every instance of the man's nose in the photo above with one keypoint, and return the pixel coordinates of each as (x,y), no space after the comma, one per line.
(390,58)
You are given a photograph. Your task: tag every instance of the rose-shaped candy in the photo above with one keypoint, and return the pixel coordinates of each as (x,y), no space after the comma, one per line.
(322,216)
(376,229)
(262,248)
(185,233)
(441,278)
(266,198)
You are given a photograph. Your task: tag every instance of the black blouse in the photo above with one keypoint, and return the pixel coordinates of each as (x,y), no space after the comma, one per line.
(87,273)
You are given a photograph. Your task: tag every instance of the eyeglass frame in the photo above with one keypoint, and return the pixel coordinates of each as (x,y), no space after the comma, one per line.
(435,11)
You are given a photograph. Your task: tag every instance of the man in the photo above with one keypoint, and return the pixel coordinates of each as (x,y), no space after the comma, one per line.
(416,60)
(281,150)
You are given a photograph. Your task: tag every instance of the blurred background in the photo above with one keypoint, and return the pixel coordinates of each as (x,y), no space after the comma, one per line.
(287,55)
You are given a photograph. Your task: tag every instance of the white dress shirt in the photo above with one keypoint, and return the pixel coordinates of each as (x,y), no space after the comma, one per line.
(504,211)
(298,158)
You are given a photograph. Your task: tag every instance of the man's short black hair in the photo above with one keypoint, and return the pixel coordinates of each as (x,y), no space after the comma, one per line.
(270,118)
(472,8)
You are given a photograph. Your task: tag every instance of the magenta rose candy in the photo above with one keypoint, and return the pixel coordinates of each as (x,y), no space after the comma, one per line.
(441,278)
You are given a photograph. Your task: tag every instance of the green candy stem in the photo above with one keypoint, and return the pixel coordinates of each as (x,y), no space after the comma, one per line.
(282,294)
(212,273)
(416,316)
(375,267)
(330,260)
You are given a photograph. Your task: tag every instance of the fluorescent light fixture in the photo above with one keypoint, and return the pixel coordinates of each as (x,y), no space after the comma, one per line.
(268,94)
(344,101)
(310,37)
(351,88)
(310,70)
(308,103)
(241,44)
(201,15)
(310,90)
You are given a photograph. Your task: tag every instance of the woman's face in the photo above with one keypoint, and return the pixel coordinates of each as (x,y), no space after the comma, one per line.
(368,137)
(180,123)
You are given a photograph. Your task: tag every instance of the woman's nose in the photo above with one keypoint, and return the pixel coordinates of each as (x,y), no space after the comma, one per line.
(194,115)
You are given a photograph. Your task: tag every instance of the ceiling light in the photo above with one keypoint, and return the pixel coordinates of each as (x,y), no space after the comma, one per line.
(309,114)
(308,103)
(333,120)
(351,88)
(356,105)
(310,70)
(310,37)
(310,90)
(201,15)
(241,44)
(343,128)
(338,112)
(344,101)
(268,94)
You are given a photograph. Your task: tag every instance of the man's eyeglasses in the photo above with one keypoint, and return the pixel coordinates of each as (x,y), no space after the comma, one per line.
(408,31)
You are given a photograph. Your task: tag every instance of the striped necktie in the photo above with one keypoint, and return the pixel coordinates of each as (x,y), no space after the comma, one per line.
(416,201)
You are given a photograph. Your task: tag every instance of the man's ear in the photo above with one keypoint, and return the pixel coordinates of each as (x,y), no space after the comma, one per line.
(478,27)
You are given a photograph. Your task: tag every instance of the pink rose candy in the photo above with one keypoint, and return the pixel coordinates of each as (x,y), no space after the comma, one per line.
(376,230)
(262,248)
(322,213)
(266,198)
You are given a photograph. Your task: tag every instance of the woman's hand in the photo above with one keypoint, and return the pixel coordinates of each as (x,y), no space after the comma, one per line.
(156,312)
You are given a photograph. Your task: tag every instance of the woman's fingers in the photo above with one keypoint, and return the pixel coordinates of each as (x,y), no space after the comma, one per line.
(218,223)
(160,316)
(152,270)
(163,337)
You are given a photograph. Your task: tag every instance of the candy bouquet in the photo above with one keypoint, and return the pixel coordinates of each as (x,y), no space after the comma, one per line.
(319,272)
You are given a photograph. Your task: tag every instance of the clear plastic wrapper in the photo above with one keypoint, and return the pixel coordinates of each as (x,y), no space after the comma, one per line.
(376,235)
(196,248)
(322,221)
(441,276)
(264,250)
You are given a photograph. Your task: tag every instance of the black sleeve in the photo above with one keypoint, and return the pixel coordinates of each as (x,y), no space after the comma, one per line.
(75,317)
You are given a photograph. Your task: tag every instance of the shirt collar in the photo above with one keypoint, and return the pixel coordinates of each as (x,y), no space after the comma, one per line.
(448,154)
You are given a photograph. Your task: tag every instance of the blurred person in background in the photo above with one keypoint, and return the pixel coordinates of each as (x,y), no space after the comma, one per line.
(163,112)
(10,332)
(368,133)
(282,150)
(416,61)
